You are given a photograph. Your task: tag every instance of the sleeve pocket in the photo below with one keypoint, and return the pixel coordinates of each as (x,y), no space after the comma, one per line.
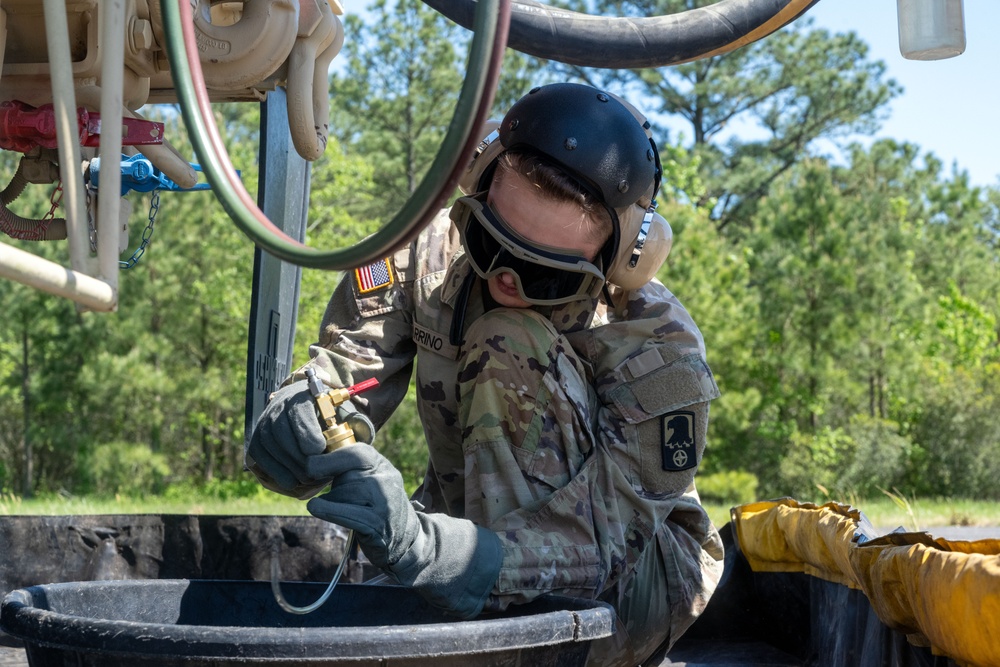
(675,385)
(666,415)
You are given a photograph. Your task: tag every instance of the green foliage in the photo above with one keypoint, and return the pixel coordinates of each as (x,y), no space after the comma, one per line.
(878,460)
(862,458)
(125,468)
(811,461)
(401,439)
(340,182)
(957,435)
(732,487)
(968,328)
(166,372)
(397,91)
(225,490)
(394,99)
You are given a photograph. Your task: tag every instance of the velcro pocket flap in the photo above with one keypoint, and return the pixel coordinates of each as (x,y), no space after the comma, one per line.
(676,384)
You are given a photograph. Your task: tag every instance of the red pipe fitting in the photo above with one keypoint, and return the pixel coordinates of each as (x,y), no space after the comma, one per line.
(24,127)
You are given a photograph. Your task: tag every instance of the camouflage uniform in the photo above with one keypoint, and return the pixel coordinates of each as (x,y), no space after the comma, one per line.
(573,432)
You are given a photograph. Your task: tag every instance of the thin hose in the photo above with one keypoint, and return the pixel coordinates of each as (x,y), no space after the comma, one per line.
(486,53)
(309,608)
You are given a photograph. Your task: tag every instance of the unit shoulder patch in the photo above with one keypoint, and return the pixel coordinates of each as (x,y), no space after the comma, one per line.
(374,277)
(678,440)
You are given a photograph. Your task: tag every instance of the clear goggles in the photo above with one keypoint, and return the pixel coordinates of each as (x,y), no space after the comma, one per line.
(544,275)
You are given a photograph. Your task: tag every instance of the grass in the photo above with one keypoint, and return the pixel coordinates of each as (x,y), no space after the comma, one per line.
(888,511)
(263,504)
(893,510)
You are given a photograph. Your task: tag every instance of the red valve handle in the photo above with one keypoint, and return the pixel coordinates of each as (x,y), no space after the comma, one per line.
(24,127)
(362,386)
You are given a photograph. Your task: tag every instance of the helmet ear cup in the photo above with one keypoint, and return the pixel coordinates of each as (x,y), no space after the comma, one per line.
(645,243)
(470,182)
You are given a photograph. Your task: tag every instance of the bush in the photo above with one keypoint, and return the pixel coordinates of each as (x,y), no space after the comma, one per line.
(867,455)
(245,486)
(957,438)
(733,487)
(879,458)
(126,468)
(814,461)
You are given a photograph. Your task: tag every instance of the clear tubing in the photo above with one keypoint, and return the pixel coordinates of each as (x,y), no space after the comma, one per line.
(276,579)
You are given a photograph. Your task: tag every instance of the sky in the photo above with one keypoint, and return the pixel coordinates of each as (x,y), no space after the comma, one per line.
(948,107)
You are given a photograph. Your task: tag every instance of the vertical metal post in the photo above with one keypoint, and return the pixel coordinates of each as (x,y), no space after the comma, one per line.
(67,133)
(283,196)
(109,207)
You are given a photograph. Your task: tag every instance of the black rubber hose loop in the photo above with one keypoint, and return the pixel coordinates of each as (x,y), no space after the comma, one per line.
(630,42)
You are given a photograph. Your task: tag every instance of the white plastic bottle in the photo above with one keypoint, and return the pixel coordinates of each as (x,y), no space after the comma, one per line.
(931,29)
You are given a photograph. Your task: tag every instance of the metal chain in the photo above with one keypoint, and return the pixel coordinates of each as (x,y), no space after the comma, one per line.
(41,226)
(147,233)
(55,198)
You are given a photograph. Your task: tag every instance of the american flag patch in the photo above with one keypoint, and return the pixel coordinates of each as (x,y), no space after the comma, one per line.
(374,276)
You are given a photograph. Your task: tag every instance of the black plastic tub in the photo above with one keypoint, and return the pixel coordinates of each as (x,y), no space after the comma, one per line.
(182,623)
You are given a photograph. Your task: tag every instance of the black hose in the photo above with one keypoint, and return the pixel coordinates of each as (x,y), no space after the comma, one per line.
(634,43)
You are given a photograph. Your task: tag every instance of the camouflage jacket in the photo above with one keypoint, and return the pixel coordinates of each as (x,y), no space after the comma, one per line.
(576,517)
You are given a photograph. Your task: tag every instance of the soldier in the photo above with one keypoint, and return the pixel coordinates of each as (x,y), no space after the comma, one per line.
(563,390)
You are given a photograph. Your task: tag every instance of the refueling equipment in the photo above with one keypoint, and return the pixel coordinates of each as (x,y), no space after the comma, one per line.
(328,398)
(338,433)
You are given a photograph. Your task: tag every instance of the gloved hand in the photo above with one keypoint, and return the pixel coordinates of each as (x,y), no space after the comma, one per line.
(364,430)
(288,433)
(452,562)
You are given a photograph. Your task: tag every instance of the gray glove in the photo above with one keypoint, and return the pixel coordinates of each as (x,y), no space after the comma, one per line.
(452,562)
(288,433)
(364,430)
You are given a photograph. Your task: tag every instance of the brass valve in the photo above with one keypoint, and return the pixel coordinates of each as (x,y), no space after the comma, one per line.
(338,434)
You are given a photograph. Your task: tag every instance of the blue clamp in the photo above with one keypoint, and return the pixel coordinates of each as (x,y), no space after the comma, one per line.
(139,174)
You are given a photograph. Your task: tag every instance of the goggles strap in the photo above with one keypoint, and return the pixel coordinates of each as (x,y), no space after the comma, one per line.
(457,334)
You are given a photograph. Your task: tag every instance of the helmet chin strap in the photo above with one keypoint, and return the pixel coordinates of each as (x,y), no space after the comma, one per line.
(640,240)
(606,292)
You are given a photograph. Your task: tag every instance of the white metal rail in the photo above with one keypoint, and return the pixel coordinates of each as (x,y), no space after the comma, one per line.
(93,286)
